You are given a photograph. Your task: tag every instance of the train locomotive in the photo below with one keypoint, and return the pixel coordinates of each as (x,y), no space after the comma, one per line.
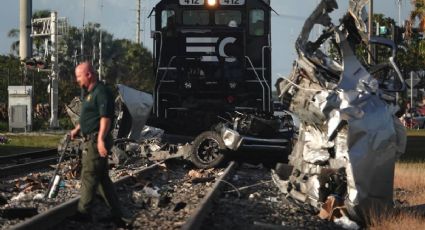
(211,57)
(212,67)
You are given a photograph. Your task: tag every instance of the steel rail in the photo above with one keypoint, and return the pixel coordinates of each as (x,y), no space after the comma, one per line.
(40,163)
(34,154)
(196,219)
(54,216)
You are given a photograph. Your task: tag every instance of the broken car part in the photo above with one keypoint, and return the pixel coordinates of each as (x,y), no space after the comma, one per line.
(349,137)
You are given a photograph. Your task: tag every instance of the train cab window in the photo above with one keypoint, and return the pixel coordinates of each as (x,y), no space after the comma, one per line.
(223,17)
(168,22)
(256,22)
(168,18)
(195,17)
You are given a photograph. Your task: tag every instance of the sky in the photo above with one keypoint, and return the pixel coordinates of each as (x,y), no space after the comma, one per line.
(119,18)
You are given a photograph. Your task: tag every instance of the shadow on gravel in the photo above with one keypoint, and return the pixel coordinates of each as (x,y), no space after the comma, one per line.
(415,150)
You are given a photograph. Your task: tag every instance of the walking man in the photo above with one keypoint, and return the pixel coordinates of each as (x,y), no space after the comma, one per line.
(97,114)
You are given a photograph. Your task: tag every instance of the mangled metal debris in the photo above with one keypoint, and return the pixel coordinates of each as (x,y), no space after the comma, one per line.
(254,130)
(31,182)
(135,140)
(19,195)
(238,130)
(132,139)
(349,137)
(133,117)
(201,176)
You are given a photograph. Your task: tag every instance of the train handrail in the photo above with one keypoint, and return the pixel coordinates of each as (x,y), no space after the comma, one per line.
(160,53)
(259,80)
(159,85)
(159,62)
(264,69)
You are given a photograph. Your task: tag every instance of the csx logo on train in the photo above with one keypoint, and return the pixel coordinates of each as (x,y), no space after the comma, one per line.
(210,48)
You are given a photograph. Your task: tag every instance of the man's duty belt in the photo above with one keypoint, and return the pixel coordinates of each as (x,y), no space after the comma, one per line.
(91,136)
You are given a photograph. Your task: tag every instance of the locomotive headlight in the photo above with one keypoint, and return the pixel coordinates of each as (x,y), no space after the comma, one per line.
(212,2)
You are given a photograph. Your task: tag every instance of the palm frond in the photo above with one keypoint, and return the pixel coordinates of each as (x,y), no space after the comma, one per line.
(13,33)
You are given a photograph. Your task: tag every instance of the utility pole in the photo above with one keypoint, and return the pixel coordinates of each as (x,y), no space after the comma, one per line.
(138,22)
(54,94)
(25,44)
(370,30)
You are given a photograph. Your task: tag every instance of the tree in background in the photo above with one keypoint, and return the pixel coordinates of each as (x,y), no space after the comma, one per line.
(14,47)
(412,55)
(130,64)
(124,62)
(9,74)
(418,12)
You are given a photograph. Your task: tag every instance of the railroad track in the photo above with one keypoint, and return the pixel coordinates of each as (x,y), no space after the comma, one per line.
(237,197)
(197,218)
(18,163)
(248,199)
(28,155)
(182,191)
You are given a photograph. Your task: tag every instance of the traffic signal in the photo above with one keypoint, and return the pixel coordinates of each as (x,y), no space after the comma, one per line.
(34,63)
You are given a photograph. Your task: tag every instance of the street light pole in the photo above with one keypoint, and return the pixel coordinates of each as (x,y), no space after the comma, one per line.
(370,29)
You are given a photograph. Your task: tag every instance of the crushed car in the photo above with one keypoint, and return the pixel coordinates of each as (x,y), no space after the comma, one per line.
(349,137)
(237,130)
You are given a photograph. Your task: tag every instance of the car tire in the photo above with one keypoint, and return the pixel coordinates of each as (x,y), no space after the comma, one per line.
(208,150)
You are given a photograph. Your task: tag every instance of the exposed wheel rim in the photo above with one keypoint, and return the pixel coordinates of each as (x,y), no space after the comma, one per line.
(208,150)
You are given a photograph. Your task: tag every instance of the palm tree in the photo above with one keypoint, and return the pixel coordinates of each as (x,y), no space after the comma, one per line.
(14,48)
(14,33)
(418,13)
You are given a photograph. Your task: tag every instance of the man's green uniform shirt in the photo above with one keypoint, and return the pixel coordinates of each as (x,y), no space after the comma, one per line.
(98,103)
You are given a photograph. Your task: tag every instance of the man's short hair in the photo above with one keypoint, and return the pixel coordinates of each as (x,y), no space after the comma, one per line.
(90,67)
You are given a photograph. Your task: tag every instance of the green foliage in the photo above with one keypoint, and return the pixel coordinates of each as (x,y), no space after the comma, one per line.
(65,123)
(413,57)
(384,21)
(39,124)
(11,73)
(123,62)
(130,64)
(4,126)
(36,141)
